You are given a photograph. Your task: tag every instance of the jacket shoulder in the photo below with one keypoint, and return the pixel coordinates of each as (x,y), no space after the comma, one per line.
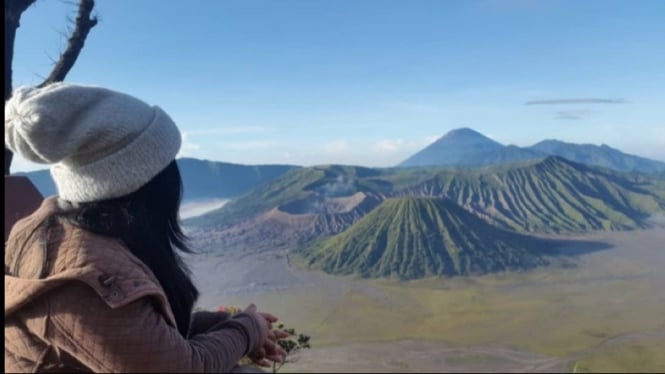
(107,265)
(75,254)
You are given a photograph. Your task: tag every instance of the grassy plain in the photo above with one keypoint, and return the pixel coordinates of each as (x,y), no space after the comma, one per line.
(604,314)
(646,355)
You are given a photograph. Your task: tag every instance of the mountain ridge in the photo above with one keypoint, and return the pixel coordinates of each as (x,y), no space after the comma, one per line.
(202,179)
(467,147)
(553,195)
(548,196)
(599,155)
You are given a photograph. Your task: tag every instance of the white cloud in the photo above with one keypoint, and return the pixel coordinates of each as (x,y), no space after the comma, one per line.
(388,145)
(188,149)
(250,145)
(651,146)
(402,146)
(430,139)
(230,130)
(337,146)
(190,209)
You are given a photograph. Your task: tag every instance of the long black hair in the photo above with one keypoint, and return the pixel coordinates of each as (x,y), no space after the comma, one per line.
(147,222)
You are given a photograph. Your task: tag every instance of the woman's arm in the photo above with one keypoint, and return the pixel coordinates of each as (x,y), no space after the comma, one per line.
(204,320)
(137,338)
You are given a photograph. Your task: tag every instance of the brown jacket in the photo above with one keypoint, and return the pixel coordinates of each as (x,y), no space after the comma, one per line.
(96,307)
(21,199)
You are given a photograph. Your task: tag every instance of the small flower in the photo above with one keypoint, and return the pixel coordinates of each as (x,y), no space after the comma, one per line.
(232,309)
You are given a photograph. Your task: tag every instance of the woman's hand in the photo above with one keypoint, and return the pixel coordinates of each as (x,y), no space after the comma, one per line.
(268,350)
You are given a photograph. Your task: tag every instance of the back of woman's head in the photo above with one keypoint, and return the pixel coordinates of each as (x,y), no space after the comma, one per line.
(102,144)
(113,163)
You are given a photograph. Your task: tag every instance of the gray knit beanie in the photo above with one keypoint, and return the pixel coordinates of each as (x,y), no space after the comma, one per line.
(103,144)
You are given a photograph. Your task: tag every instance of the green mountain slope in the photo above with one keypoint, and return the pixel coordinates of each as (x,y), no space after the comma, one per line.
(289,187)
(417,237)
(552,195)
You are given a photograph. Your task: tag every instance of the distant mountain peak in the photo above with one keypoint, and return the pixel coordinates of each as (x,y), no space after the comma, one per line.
(463,130)
(467,147)
(464,133)
(462,146)
(551,141)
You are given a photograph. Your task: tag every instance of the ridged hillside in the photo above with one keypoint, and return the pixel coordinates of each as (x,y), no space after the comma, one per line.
(413,238)
(289,187)
(543,196)
(297,190)
(553,195)
(290,225)
(301,206)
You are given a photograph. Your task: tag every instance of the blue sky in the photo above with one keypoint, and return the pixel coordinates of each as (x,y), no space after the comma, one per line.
(370,82)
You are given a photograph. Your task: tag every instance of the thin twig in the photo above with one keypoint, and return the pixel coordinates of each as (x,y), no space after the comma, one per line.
(83,24)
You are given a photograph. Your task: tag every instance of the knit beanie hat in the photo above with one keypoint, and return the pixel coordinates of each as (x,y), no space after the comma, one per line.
(103,144)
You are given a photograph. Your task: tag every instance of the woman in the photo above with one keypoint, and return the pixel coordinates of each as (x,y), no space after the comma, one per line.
(93,280)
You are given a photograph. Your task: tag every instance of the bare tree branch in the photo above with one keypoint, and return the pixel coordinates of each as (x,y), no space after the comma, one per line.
(75,43)
(83,23)
(13,11)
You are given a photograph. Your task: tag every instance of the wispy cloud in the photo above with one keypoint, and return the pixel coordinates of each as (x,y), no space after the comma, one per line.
(196,208)
(188,148)
(575,101)
(430,139)
(250,145)
(337,146)
(412,107)
(567,116)
(572,114)
(230,130)
(388,145)
(400,145)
